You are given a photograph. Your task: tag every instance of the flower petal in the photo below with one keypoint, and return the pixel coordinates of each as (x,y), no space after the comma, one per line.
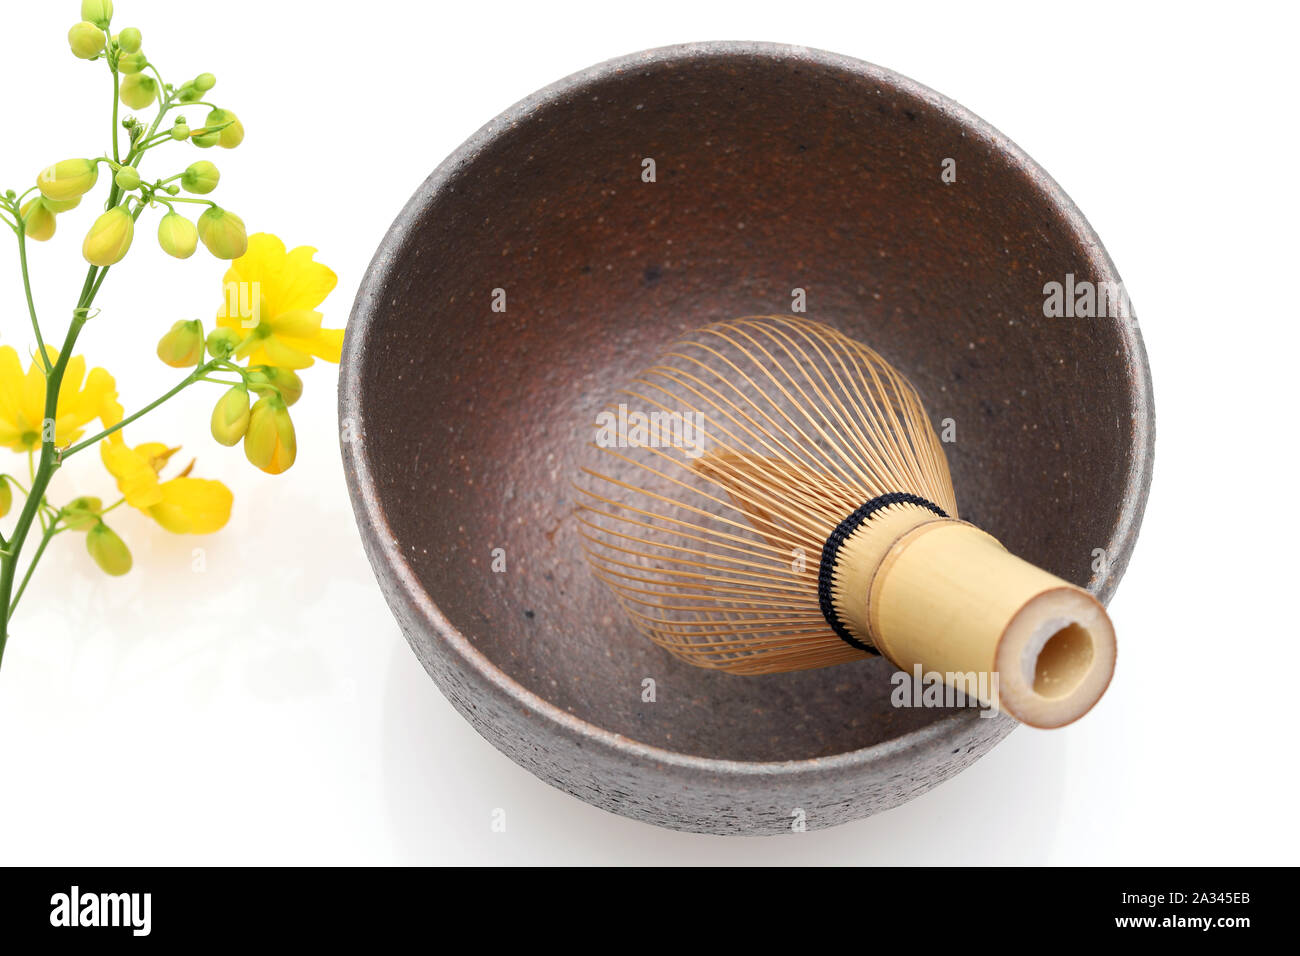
(32,403)
(156,454)
(11,382)
(327,345)
(99,398)
(70,387)
(262,260)
(135,476)
(304,283)
(260,271)
(193,506)
(277,352)
(300,323)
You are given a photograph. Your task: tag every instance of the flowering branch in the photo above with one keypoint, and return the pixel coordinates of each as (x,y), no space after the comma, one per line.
(268,321)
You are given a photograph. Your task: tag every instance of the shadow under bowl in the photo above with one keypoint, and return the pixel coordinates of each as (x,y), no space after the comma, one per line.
(537,269)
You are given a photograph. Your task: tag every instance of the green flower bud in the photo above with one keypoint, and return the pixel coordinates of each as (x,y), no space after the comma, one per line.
(288,382)
(6,497)
(222,342)
(177,235)
(182,346)
(173,190)
(188,94)
(38,219)
(204,82)
(129,40)
(205,138)
(86,40)
(200,178)
(231,132)
(98,12)
(180,130)
(127,178)
(270,443)
(109,238)
(223,233)
(231,415)
(108,550)
(80,514)
(272,380)
(68,179)
(130,63)
(138,90)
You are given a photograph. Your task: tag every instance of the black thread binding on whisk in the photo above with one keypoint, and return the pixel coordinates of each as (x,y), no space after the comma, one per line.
(831,551)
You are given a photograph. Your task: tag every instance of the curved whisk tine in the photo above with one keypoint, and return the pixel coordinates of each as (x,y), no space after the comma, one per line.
(744,446)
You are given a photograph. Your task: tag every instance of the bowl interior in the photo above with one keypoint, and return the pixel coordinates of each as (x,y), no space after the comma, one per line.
(771,173)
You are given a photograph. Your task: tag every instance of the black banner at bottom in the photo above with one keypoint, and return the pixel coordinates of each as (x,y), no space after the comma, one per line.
(339,906)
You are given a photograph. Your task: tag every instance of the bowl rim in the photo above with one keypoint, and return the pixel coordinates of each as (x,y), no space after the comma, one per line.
(402,579)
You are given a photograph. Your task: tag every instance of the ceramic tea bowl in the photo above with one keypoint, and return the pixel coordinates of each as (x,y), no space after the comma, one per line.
(545,262)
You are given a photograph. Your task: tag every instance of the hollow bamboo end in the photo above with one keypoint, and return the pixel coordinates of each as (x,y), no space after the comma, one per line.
(949,599)
(1055,659)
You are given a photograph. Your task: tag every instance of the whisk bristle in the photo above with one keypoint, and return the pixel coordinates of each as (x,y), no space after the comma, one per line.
(723,469)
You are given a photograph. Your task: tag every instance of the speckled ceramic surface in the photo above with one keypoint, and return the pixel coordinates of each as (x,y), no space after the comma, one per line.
(776,168)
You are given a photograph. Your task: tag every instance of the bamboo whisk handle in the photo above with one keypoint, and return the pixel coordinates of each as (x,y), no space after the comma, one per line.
(949,598)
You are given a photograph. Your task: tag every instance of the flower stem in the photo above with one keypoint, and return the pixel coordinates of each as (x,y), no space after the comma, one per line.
(27,290)
(185,383)
(49,461)
(50,532)
(116,93)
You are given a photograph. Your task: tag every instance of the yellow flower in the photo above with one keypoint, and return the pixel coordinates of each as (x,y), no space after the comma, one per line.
(271,298)
(182,505)
(22,400)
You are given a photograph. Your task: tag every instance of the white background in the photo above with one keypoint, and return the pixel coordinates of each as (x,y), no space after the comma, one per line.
(268,710)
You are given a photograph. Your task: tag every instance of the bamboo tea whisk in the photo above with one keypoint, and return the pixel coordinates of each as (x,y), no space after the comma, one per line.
(772,497)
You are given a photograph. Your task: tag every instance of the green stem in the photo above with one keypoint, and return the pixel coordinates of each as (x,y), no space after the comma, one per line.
(50,532)
(163,106)
(162,87)
(189,380)
(116,93)
(27,290)
(49,462)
